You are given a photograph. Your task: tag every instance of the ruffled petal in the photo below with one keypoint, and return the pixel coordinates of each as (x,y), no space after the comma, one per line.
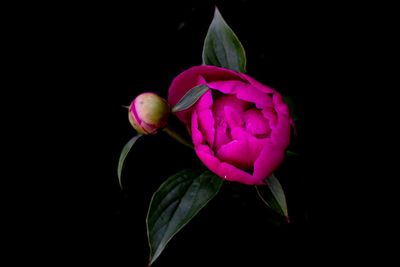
(240,133)
(233,117)
(222,136)
(270,115)
(241,153)
(258,85)
(179,87)
(243,91)
(229,100)
(269,159)
(253,95)
(223,169)
(183,83)
(205,102)
(206,156)
(197,136)
(205,117)
(231,173)
(280,135)
(256,123)
(206,122)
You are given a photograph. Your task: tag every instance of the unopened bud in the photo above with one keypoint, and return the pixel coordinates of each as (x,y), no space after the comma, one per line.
(148,112)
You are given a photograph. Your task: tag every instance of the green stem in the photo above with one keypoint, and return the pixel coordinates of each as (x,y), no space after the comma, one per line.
(178,137)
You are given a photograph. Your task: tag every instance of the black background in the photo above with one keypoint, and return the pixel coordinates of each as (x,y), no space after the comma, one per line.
(86,61)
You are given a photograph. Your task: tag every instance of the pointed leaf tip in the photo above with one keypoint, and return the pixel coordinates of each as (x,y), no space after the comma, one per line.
(222,47)
(175,203)
(273,196)
(190,98)
(124,154)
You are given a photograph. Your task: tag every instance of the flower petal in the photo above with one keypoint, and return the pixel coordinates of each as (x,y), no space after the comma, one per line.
(234,174)
(240,133)
(197,136)
(256,123)
(243,91)
(205,102)
(206,122)
(190,78)
(241,153)
(222,136)
(269,159)
(258,85)
(205,117)
(229,100)
(250,94)
(280,135)
(233,117)
(270,114)
(223,169)
(207,157)
(179,87)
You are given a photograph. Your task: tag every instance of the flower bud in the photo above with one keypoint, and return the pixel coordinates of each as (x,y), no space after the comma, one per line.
(148,113)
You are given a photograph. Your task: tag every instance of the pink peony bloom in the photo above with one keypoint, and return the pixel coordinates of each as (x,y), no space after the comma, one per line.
(240,128)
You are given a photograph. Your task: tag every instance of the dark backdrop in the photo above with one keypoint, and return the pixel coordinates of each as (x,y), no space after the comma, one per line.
(93,59)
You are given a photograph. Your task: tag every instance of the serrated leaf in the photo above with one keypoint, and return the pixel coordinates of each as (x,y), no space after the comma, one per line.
(122,157)
(222,47)
(273,195)
(175,203)
(190,98)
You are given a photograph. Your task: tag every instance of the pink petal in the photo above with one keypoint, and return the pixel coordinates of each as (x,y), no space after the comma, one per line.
(205,102)
(231,173)
(258,85)
(243,91)
(179,87)
(205,116)
(197,136)
(226,87)
(223,169)
(213,73)
(205,155)
(241,154)
(270,114)
(233,117)
(269,159)
(228,100)
(256,123)
(240,133)
(280,135)
(253,95)
(222,136)
(190,78)
(280,106)
(183,83)
(206,122)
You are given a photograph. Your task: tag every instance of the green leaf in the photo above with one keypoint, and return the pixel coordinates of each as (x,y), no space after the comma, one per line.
(123,155)
(190,98)
(272,194)
(175,203)
(290,153)
(222,48)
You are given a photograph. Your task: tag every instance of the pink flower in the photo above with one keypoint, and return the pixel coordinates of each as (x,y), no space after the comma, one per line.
(148,112)
(240,128)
